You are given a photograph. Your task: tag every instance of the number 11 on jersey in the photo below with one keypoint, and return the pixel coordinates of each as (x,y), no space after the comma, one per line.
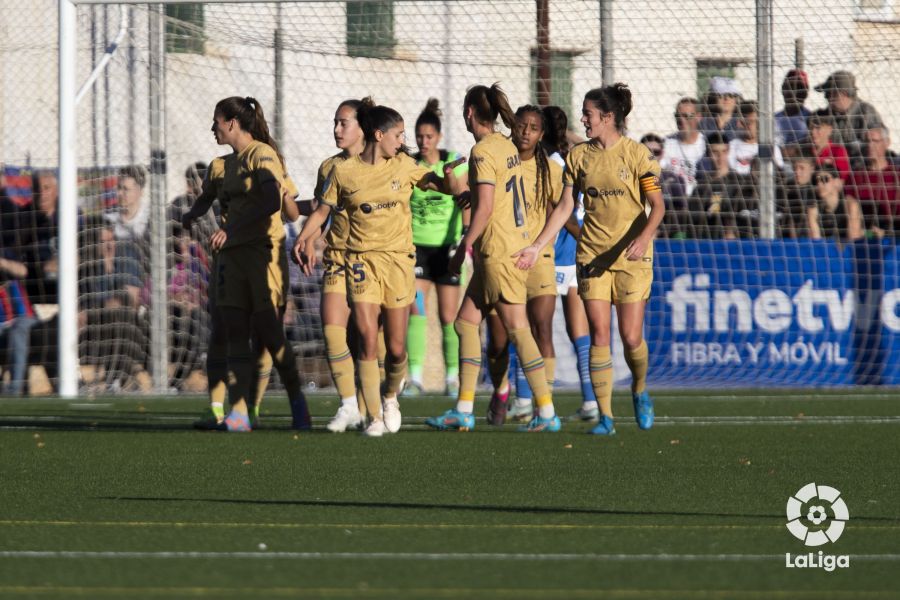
(518,192)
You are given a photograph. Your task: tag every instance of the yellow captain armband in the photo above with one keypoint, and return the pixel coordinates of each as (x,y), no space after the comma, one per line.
(650,183)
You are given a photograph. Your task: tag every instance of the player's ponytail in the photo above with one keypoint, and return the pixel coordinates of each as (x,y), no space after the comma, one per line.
(500,106)
(615,99)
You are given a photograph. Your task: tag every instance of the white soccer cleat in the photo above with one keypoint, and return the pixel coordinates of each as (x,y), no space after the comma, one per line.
(391,411)
(375,429)
(346,418)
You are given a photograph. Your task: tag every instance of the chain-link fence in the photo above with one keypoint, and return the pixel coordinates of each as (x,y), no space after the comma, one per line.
(691,66)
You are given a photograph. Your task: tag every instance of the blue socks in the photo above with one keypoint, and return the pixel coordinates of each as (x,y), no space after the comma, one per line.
(583,350)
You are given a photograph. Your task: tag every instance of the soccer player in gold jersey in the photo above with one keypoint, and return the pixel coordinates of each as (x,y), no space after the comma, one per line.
(374,189)
(250,281)
(543,187)
(619,178)
(348,136)
(499,228)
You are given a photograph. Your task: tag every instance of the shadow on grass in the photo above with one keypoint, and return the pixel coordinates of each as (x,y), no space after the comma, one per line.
(488,508)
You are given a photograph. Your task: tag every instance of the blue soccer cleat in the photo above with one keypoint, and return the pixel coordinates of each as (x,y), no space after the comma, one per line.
(643,410)
(452,420)
(606,426)
(539,425)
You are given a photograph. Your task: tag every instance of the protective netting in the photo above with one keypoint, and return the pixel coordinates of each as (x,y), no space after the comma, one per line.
(726,308)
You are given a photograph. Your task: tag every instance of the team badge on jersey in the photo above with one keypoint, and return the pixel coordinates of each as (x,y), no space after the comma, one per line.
(623,174)
(395,185)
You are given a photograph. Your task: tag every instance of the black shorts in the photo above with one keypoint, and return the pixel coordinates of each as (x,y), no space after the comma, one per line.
(432,263)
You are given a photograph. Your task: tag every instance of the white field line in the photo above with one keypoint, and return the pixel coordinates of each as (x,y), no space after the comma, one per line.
(413,556)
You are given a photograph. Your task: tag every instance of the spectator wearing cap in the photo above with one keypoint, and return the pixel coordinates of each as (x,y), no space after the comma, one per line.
(790,123)
(833,215)
(852,116)
(827,152)
(876,185)
(744,148)
(722,104)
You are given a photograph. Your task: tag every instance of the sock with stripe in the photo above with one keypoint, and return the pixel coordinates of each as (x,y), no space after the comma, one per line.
(340,362)
(583,353)
(533,365)
(550,371)
(370,381)
(469,363)
(602,377)
(396,371)
(382,353)
(638,360)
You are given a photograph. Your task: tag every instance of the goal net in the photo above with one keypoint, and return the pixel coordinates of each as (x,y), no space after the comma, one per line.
(731,305)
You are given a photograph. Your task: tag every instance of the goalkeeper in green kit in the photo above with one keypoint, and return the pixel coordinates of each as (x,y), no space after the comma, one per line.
(437,223)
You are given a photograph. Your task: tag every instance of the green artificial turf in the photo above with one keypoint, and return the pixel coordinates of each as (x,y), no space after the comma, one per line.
(694,508)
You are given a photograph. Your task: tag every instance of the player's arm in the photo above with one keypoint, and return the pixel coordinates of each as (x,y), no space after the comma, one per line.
(303,252)
(451,183)
(555,221)
(270,203)
(481,216)
(200,207)
(653,193)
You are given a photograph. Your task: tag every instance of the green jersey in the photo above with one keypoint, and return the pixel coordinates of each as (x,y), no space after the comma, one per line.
(436,219)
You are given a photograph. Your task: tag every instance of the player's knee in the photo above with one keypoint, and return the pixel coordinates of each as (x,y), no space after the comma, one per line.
(632,340)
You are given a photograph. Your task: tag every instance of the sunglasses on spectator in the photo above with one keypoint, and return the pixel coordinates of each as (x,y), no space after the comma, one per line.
(656,150)
(824,178)
(679,115)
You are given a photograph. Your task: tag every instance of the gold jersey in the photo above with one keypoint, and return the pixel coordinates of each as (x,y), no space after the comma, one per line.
(376,199)
(245,174)
(614,182)
(495,160)
(536,204)
(336,238)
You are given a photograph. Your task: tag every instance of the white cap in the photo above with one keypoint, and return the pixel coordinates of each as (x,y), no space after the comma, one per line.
(724,85)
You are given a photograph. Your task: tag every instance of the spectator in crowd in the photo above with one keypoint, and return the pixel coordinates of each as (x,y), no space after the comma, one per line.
(797,193)
(833,215)
(187,287)
(682,151)
(674,193)
(827,152)
(16,319)
(876,185)
(719,195)
(131,220)
(722,108)
(112,334)
(852,116)
(38,229)
(790,123)
(743,149)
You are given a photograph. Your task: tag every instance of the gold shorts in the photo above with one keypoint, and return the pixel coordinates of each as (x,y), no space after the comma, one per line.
(334,279)
(384,278)
(541,278)
(618,286)
(250,278)
(495,281)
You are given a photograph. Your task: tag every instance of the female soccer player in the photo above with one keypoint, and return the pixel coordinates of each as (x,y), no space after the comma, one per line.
(348,136)
(557,146)
(499,228)
(217,350)
(618,177)
(250,286)
(437,223)
(375,188)
(543,186)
